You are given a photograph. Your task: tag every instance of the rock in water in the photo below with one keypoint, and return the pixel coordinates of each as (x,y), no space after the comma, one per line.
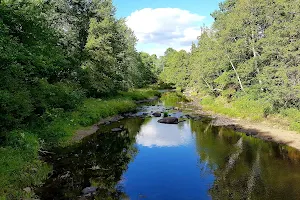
(27,189)
(169,120)
(89,190)
(116,130)
(157,114)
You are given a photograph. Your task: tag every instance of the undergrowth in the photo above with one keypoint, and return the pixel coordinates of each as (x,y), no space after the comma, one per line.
(254,110)
(20,166)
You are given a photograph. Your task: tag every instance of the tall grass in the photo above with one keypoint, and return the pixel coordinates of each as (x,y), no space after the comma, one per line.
(242,107)
(140,94)
(20,166)
(254,110)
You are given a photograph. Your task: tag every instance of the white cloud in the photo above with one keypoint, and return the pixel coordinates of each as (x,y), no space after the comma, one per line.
(165,27)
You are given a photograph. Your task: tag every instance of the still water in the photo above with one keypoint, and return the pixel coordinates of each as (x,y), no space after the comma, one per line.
(191,160)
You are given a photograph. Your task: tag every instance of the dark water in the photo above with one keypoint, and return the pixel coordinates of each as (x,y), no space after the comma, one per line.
(191,160)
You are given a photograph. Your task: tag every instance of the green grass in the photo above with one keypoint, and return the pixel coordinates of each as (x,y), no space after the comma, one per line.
(243,107)
(63,125)
(162,86)
(20,166)
(140,94)
(247,108)
(293,116)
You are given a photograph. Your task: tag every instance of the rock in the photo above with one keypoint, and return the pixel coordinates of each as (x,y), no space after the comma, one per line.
(116,130)
(251,133)
(157,114)
(188,116)
(27,189)
(169,120)
(34,170)
(89,190)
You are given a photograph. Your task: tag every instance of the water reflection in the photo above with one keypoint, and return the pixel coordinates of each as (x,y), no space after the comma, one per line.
(153,134)
(99,161)
(192,160)
(248,168)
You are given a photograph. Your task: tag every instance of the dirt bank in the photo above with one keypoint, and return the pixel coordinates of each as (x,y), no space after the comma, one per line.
(264,130)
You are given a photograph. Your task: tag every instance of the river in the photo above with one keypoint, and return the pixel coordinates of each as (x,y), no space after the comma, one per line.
(189,160)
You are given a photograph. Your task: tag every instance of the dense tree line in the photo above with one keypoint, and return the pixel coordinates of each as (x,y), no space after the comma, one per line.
(55,53)
(252,50)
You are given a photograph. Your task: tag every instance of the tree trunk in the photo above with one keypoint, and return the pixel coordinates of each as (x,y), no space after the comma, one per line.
(237,75)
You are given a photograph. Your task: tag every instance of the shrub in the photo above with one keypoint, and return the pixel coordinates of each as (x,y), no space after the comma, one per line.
(243,107)
(14,108)
(58,95)
(140,94)
(25,141)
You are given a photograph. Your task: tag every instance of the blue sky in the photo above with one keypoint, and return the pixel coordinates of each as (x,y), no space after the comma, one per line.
(159,24)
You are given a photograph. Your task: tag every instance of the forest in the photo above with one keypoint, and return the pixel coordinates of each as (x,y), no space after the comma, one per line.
(247,64)
(66,64)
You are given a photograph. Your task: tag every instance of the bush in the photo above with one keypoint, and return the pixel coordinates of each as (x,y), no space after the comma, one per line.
(14,108)
(25,141)
(19,165)
(162,86)
(243,107)
(94,109)
(140,94)
(20,169)
(293,116)
(58,95)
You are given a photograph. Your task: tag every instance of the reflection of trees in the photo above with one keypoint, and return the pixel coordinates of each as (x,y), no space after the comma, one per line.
(246,167)
(99,160)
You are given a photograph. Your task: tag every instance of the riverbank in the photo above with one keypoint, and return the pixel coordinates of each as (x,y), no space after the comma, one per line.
(272,128)
(21,167)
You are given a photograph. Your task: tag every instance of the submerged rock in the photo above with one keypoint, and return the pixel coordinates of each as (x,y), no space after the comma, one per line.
(116,130)
(169,120)
(27,189)
(157,114)
(89,190)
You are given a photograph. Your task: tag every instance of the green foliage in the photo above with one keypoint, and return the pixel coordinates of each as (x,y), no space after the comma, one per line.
(175,68)
(160,85)
(59,95)
(15,107)
(166,114)
(93,110)
(58,126)
(173,98)
(19,169)
(248,60)
(140,94)
(243,107)
(19,165)
(53,55)
(293,116)
(21,140)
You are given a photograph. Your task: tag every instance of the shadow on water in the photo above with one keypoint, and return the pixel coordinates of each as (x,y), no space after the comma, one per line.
(98,160)
(191,160)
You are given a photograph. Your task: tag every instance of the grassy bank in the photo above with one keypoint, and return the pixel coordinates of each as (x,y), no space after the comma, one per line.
(20,166)
(252,110)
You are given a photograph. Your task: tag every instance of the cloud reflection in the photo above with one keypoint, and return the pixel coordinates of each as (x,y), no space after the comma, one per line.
(154,134)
